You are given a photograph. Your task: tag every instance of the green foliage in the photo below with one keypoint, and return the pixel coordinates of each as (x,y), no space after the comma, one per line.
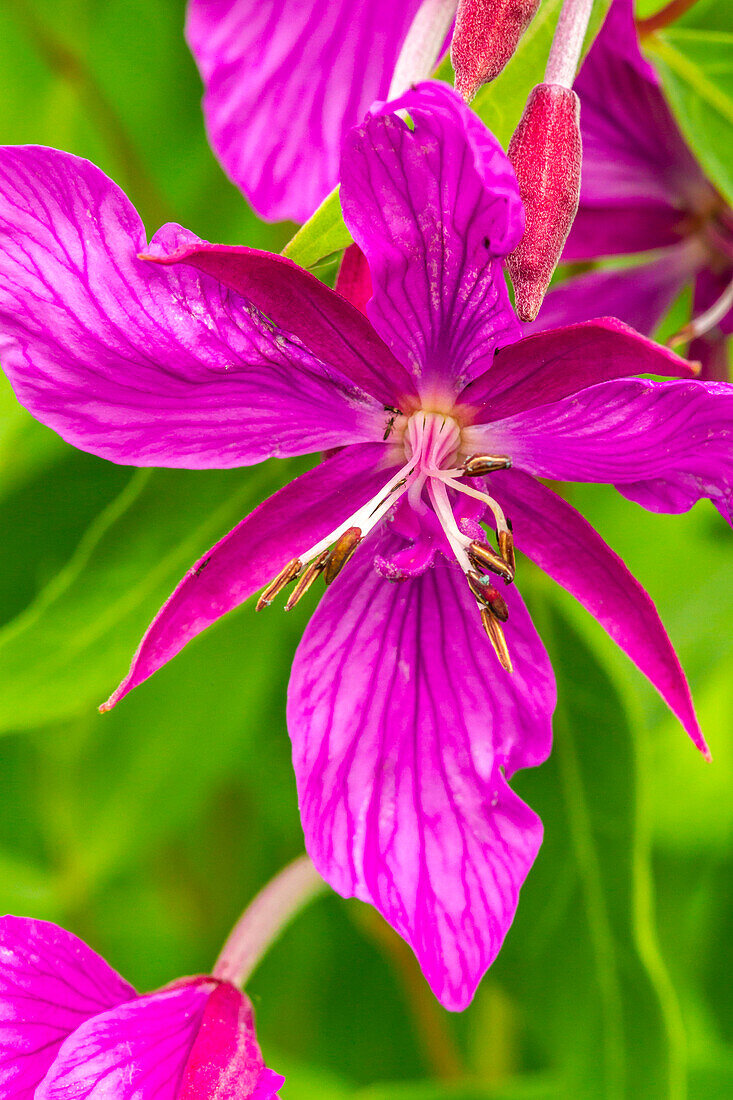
(321,236)
(696,68)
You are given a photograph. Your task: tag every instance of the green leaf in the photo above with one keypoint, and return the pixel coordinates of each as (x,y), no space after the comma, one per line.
(696,69)
(500,104)
(323,234)
(69,648)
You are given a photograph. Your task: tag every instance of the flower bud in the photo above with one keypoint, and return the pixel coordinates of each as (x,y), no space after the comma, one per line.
(546,153)
(486,36)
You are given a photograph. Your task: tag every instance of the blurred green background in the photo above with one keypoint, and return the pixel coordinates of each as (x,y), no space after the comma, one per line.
(147,830)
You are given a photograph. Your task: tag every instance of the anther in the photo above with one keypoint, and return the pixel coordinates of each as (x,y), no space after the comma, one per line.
(306,580)
(495,634)
(478,465)
(284,577)
(506,546)
(342,551)
(489,596)
(484,558)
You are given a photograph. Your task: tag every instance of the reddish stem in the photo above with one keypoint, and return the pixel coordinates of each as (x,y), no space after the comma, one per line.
(668,14)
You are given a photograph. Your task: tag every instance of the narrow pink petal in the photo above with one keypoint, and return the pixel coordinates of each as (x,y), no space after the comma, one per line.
(50,984)
(284,81)
(404,727)
(255,551)
(565,546)
(435,207)
(332,330)
(135,1051)
(141,364)
(676,437)
(640,296)
(639,178)
(225,1062)
(547,366)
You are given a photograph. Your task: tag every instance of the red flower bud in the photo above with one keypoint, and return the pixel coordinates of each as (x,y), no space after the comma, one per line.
(546,152)
(485,38)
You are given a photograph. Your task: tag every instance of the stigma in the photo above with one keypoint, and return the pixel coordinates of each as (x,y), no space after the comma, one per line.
(434,470)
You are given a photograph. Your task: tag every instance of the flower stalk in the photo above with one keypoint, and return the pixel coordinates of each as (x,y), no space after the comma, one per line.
(567,42)
(265,918)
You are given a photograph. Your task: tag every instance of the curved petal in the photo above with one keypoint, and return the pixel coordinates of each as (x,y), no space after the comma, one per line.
(403,724)
(134,1051)
(225,1062)
(50,984)
(331,329)
(639,177)
(434,208)
(640,296)
(675,435)
(140,364)
(289,522)
(284,81)
(354,280)
(547,366)
(568,549)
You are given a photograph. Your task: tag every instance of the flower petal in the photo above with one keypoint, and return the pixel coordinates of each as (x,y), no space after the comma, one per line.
(288,523)
(547,366)
(135,1051)
(332,330)
(50,984)
(137,363)
(434,208)
(568,549)
(674,436)
(639,296)
(284,81)
(225,1062)
(403,726)
(639,178)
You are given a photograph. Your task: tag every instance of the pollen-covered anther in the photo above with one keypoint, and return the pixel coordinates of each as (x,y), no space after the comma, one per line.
(489,596)
(506,546)
(495,634)
(478,465)
(284,577)
(485,559)
(309,575)
(342,551)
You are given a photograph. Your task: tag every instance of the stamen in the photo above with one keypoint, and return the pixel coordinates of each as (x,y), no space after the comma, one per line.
(284,577)
(478,465)
(495,634)
(703,323)
(457,540)
(484,558)
(311,572)
(506,546)
(342,551)
(501,523)
(487,595)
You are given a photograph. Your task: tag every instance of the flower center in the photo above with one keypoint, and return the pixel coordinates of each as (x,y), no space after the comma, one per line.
(434,464)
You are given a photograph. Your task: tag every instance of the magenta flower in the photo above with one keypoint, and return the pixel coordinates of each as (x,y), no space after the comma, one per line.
(71,1026)
(405,721)
(642,191)
(285,81)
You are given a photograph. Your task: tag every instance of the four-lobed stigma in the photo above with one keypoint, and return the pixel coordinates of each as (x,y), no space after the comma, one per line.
(434,464)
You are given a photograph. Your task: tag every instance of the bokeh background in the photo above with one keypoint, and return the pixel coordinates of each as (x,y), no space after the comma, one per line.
(147,830)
